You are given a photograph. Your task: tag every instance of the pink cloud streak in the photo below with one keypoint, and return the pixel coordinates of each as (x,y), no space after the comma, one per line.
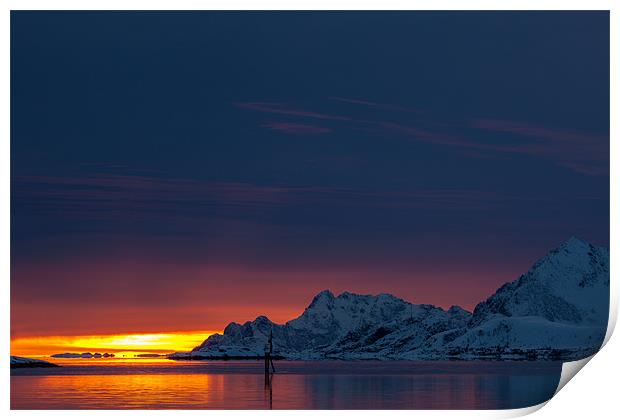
(374,104)
(293,128)
(284,109)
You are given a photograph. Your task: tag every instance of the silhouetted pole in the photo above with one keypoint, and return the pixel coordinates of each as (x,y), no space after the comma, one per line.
(273,368)
(268,359)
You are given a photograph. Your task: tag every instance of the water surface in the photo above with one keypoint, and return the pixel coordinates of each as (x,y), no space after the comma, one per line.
(296,385)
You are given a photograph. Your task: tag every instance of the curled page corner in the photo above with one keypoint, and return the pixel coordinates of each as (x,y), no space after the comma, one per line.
(518,412)
(613,316)
(569,370)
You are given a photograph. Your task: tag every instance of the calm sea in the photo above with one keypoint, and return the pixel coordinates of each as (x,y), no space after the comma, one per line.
(295,385)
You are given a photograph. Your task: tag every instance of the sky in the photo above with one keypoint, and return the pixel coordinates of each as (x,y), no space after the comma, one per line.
(179,171)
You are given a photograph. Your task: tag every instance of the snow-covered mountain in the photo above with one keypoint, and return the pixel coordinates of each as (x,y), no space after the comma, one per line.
(570,285)
(24,362)
(344,326)
(558,309)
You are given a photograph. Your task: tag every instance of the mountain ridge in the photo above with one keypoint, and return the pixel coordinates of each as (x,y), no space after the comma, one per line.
(556,310)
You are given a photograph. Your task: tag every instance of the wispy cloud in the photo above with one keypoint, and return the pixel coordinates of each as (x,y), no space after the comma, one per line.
(541,132)
(285,109)
(425,135)
(584,153)
(127,198)
(294,128)
(112,197)
(363,102)
(581,152)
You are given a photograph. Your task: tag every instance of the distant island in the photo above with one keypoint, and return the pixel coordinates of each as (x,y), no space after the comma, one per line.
(87,355)
(558,310)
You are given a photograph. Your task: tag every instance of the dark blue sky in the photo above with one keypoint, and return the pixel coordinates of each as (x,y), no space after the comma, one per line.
(433,155)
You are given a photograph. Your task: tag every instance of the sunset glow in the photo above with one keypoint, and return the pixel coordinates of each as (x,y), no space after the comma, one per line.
(118,344)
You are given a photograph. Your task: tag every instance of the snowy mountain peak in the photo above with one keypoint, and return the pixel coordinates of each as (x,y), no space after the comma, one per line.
(557,309)
(325,293)
(569,284)
(262,319)
(232,327)
(574,243)
(574,263)
(457,311)
(572,252)
(324,297)
(387,297)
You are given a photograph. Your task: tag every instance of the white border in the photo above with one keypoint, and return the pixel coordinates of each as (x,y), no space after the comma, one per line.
(309,5)
(601,382)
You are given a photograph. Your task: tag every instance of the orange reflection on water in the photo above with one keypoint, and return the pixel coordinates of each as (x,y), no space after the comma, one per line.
(138,391)
(289,391)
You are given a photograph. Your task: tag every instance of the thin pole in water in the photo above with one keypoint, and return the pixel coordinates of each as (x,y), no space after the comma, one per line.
(268,359)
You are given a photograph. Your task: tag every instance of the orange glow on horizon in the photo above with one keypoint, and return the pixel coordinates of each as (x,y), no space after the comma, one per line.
(167,342)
